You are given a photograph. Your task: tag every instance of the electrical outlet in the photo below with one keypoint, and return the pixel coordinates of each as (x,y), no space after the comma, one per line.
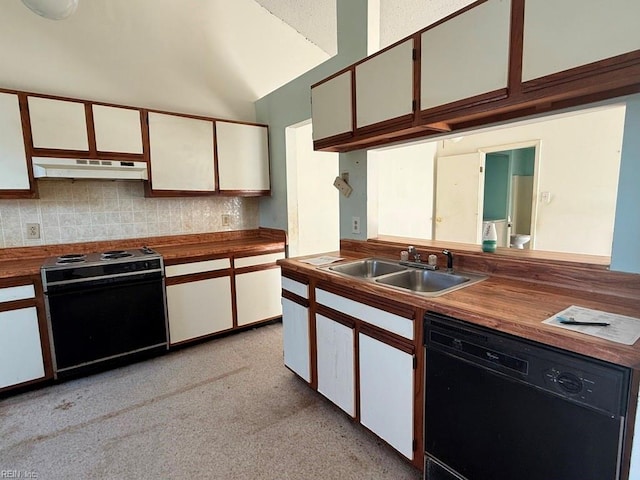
(33,231)
(343,186)
(226,219)
(355,224)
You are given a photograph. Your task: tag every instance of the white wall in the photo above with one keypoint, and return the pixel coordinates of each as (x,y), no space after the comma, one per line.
(579,166)
(405,189)
(71,211)
(313,204)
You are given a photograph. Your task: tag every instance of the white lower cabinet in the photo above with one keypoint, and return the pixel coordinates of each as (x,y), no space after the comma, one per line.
(258,295)
(335,361)
(199,308)
(386,393)
(20,348)
(295,337)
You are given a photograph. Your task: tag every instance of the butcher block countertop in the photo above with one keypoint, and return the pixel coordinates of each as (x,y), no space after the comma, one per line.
(505,303)
(26,261)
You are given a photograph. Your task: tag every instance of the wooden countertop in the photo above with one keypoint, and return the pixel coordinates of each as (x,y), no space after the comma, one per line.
(26,261)
(509,305)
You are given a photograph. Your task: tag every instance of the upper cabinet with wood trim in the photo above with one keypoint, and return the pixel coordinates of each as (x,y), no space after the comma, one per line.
(181,154)
(491,61)
(58,124)
(466,56)
(117,129)
(331,107)
(384,86)
(14,180)
(243,158)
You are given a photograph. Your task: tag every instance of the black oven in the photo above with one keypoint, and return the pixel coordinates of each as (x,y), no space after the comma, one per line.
(501,408)
(105,309)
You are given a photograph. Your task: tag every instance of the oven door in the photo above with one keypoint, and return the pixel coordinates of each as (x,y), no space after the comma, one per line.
(106,318)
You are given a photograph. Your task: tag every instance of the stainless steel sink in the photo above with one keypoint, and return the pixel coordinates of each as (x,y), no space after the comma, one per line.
(368,268)
(429,283)
(408,278)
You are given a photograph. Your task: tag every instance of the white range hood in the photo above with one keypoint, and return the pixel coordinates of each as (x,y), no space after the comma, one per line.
(46,167)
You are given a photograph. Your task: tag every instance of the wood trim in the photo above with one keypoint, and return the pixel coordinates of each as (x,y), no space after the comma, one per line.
(295,298)
(198,258)
(298,277)
(243,193)
(331,77)
(216,164)
(313,336)
(195,277)
(452,15)
(17,304)
(418,389)
(258,253)
(336,139)
(336,316)
(386,125)
(354,106)
(386,337)
(91,130)
(400,309)
(449,109)
(417,77)
(516,45)
(256,268)
(234,301)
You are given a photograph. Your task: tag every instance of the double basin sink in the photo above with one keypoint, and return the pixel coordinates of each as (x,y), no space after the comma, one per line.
(410,278)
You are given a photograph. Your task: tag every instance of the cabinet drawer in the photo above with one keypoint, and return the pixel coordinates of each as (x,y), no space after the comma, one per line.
(298,288)
(257,259)
(22,292)
(374,316)
(197,267)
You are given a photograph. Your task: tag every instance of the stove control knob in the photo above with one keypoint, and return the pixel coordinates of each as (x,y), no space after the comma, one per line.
(569,383)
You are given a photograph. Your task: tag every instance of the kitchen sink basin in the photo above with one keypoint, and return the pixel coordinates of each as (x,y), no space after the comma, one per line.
(368,268)
(428,282)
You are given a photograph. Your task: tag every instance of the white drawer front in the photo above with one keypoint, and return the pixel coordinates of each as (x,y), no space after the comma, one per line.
(22,292)
(385,320)
(197,267)
(258,259)
(298,288)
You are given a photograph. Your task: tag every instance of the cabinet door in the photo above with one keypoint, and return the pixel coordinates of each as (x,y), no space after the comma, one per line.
(181,153)
(58,124)
(258,295)
(384,85)
(336,368)
(13,159)
(466,56)
(243,157)
(386,393)
(117,129)
(199,308)
(295,338)
(635,446)
(20,349)
(562,35)
(331,111)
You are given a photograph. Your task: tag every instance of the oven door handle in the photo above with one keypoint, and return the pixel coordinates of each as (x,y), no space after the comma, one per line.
(104,283)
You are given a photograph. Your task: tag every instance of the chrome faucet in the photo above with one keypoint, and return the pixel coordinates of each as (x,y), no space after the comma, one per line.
(416,256)
(449,260)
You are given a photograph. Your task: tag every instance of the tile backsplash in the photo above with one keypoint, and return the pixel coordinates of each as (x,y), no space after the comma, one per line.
(89,210)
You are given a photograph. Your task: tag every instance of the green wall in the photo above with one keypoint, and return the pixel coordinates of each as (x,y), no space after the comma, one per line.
(291,104)
(496,186)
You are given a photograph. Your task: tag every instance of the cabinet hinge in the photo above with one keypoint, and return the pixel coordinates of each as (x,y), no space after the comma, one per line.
(414,445)
(414,105)
(481,169)
(415,54)
(415,362)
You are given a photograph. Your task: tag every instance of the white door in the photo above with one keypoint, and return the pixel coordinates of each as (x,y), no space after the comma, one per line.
(386,393)
(295,337)
(331,107)
(459,198)
(20,350)
(336,367)
(13,159)
(117,129)
(258,295)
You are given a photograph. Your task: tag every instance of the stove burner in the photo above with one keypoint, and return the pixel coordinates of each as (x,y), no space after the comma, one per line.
(115,254)
(71,256)
(65,260)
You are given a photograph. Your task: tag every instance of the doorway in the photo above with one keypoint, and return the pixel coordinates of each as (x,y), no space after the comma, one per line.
(313,209)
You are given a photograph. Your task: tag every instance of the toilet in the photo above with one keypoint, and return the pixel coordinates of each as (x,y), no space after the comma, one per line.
(519,241)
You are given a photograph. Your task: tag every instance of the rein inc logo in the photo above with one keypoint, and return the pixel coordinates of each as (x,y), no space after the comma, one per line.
(18,474)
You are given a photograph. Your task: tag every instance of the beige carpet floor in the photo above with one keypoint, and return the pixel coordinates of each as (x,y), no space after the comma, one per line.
(224,409)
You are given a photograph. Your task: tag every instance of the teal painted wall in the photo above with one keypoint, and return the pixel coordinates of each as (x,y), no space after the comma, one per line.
(524,160)
(625,255)
(496,186)
(291,104)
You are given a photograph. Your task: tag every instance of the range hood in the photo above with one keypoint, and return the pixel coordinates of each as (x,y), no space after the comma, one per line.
(46,167)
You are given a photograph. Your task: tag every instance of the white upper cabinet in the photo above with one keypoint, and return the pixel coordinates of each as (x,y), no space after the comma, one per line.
(562,35)
(331,110)
(13,160)
(117,129)
(243,156)
(466,56)
(384,85)
(181,153)
(58,124)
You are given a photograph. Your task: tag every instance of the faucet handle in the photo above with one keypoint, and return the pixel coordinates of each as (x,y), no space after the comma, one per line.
(411,249)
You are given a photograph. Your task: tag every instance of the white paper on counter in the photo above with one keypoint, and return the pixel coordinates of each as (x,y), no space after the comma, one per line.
(318,261)
(621,329)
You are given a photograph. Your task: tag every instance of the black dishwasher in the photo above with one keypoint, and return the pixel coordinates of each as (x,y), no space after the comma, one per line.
(498,407)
